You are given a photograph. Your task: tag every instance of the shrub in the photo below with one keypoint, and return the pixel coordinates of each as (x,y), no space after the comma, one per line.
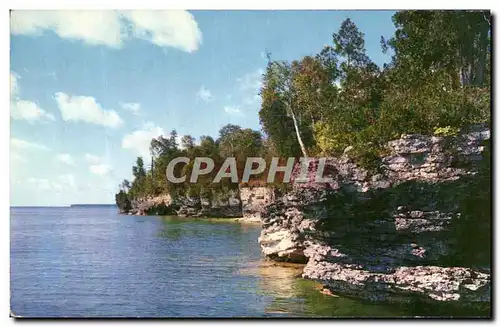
(446,131)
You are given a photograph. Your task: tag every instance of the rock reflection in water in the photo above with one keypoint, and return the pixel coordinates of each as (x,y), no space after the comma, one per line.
(292,295)
(275,279)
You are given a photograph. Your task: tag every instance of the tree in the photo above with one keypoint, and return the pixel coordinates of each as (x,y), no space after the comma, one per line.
(314,86)
(240,143)
(349,43)
(455,42)
(160,146)
(277,124)
(188,142)
(329,59)
(125,185)
(279,79)
(208,147)
(439,76)
(226,140)
(138,169)
(122,201)
(173,139)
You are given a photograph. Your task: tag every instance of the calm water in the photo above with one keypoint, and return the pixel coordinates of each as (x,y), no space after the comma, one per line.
(91,262)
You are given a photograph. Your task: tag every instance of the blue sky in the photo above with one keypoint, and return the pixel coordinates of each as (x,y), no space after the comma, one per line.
(90,89)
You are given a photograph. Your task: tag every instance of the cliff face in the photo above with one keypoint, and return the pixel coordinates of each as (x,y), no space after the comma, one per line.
(246,202)
(254,200)
(188,206)
(402,232)
(204,207)
(153,205)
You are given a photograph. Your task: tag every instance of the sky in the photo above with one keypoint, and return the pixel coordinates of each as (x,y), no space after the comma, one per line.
(90,89)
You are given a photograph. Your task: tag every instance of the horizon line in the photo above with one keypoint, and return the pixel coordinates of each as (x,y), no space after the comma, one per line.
(63,205)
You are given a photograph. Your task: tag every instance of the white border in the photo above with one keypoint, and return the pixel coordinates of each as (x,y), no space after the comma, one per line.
(191,4)
(248,4)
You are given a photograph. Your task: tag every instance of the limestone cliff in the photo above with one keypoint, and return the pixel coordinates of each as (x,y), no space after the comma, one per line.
(401,232)
(186,206)
(152,205)
(253,201)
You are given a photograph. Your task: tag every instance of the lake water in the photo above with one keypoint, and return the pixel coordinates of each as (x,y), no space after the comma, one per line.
(92,262)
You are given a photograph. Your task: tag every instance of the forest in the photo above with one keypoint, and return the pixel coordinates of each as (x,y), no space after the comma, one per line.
(438,80)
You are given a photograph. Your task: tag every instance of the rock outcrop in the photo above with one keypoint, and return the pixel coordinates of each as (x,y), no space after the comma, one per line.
(203,207)
(153,205)
(253,201)
(247,202)
(188,206)
(393,234)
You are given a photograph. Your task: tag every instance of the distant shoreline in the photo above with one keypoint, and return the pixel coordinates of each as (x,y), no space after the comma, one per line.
(66,206)
(93,205)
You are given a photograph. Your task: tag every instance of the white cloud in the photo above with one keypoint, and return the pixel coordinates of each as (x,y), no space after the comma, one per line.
(251,100)
(40,183)
(232,110)
(29,111)
(204,94)
(178,139)
(166,28)
(19,144)
(174,28)
(133,107)
(67,180)
(17,158)
(101,169)
(19,150)
(60,184)
(84,25)
(93,159)
(86,109)
(65,158)
(138,141)
(97,165)
(249,86)
(24,109)
(251,82)
(14,85)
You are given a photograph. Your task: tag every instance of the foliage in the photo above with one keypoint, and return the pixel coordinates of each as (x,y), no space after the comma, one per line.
(446,131)
(233,141)
(456,42)
(438,80)
(122,201)
(438,77)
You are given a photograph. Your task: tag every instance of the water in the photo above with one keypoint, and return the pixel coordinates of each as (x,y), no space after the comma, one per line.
(92,262)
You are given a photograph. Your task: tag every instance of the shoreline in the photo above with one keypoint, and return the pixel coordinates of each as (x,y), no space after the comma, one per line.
(241,220)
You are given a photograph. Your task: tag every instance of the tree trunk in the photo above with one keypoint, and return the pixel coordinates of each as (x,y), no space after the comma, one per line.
(299,138)
(482,51)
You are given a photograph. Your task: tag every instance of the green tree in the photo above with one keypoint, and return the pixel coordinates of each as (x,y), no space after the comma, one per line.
(278,81)
(349,43)
(277,124)
(238,142)
(188,142)
(138,169)
(122,201)
(456,42)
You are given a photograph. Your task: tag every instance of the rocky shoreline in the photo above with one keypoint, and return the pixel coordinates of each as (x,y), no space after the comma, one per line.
(383,235)
(389,236)
(244,206)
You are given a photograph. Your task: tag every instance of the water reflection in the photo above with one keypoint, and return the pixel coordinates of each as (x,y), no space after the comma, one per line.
(99,264)
(293,296)
(274,280)
(175,227)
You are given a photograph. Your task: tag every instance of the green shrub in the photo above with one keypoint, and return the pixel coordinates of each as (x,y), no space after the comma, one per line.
(446,131)
(122,201)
